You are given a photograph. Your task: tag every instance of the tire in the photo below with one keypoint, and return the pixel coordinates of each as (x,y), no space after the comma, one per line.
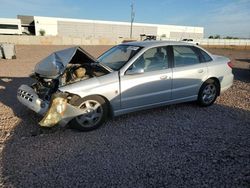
(208,93)
(96,110)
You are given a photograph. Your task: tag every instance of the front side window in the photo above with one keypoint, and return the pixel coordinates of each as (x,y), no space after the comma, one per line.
(118,56)
(152,60)
(185,56)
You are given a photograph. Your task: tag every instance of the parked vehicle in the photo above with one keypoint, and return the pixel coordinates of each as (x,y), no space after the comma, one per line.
(74,88)
(10,26)
(145,37)
(190,41)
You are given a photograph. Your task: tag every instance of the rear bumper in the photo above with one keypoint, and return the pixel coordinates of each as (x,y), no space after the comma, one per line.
(227,82)
(28,97)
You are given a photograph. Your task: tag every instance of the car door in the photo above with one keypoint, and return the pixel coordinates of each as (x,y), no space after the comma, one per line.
(150,86)
(188,72)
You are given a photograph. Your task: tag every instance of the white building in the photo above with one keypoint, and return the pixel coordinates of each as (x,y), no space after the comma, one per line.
(106,29)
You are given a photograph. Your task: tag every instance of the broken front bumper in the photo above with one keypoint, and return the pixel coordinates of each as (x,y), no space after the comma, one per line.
(58,112)
(28,97)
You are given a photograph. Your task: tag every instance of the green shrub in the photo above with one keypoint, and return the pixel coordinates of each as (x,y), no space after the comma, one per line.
(42,32)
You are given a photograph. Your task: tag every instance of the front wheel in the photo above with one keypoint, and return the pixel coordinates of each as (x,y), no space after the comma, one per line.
(95,113)
(208,93)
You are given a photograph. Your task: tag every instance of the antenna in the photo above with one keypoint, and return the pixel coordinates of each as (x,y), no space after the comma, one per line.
(132,18)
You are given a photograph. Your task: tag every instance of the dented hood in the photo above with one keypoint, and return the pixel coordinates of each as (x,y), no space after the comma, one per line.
(56,63)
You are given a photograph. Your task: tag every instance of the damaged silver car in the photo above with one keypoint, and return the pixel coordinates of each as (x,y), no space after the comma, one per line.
(72,87)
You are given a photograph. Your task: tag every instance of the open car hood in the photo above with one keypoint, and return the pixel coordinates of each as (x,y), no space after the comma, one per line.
(56,63)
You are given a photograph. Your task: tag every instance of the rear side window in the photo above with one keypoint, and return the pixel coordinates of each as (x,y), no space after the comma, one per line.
(206,57)
(185,56)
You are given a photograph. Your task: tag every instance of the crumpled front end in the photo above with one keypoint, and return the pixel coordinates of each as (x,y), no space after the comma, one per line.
(62,68)
(58,111)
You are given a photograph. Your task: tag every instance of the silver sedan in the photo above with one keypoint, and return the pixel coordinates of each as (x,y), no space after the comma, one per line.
(74,88)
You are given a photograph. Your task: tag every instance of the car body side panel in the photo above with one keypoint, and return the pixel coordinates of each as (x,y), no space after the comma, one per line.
(188,80)
(218,68)
(146,88)
(153,105)
(226,82)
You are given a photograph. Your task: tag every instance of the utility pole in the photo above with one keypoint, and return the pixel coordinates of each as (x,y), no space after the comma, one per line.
(132,19)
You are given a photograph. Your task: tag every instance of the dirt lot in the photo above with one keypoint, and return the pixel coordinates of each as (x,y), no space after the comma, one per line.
(175,146)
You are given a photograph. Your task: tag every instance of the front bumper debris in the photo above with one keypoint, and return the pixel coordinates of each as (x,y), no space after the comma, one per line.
(60,112)
(28,97)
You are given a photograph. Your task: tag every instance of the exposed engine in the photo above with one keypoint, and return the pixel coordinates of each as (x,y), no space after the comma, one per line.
(74,73)
(45,87)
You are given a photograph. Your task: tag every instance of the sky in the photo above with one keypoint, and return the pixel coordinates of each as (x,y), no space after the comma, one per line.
(222,17)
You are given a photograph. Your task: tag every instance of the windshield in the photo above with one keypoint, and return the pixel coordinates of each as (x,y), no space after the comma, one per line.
(118,56)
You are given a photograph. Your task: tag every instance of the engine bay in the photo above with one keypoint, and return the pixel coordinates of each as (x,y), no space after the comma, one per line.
(73,73)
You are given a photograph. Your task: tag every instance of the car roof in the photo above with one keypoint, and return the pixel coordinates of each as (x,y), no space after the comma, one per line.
(154,43)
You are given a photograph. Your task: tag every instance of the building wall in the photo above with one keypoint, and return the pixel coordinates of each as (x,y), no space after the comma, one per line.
(180,32)
(147,30)
(56,40)
(185,35)
(112,30)
(98,30)
(49,25)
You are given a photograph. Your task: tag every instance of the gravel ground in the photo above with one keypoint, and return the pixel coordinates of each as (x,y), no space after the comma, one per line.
(174,146)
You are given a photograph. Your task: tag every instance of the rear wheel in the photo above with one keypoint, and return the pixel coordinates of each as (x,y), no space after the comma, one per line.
(95,112)
(208,93)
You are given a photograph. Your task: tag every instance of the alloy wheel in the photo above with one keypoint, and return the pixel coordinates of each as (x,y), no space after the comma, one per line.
(93,113)
(209,93)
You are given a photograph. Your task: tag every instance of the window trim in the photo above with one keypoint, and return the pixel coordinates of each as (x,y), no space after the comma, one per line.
(170,51)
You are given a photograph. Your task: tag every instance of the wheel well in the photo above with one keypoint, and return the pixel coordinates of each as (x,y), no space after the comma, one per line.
(216,80)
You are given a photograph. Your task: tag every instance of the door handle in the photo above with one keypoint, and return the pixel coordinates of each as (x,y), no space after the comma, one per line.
(200,71)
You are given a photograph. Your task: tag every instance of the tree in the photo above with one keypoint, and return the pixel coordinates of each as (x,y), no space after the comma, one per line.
(211,37)
(229,37)
(217,37)
(163,36)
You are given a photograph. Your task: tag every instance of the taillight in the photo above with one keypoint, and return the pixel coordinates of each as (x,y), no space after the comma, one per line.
(230,64)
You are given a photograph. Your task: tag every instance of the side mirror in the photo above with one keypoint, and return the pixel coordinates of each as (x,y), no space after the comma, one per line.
(135,71)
